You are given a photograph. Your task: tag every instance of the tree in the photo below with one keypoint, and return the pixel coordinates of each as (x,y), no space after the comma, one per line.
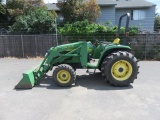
(157,23)
(21,7)
(89,10)
(38,21)
(68,9)
(77,10)
(4,16)
(14,8)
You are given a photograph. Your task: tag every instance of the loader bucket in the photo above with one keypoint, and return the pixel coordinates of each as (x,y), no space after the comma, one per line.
(27,82)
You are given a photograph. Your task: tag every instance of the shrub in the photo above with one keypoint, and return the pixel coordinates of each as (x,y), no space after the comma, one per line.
(84,30)
(154,53)
(157,23)
(38,21)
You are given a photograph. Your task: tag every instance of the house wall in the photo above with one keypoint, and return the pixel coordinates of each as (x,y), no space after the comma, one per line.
(144,25)
(107,14)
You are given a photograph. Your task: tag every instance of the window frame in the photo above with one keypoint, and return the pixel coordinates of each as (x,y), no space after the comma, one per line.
(138,17)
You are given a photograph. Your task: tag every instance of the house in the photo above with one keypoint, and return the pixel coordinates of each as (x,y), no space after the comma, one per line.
(142,12)
(53,6)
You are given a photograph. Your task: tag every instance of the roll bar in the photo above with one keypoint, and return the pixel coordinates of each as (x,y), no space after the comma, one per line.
(126,28)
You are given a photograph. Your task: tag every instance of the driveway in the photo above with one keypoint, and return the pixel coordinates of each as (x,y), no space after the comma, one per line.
(89,99)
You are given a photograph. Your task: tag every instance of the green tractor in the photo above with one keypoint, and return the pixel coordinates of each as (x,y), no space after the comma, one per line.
(117,64)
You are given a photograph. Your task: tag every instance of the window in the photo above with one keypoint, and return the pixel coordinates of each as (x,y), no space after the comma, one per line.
(137,14)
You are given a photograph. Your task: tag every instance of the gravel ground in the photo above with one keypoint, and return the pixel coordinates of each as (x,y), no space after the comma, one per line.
(89,99)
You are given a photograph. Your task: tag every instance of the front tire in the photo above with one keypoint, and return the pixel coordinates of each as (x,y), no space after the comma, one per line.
(64,75)
(120,68)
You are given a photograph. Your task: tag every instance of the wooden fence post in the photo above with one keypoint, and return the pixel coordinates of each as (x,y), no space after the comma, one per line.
(22,45)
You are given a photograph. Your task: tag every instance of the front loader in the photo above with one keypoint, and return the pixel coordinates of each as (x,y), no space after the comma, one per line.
(118,66)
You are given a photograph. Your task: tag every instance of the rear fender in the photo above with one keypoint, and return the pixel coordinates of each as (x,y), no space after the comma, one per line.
(110,49)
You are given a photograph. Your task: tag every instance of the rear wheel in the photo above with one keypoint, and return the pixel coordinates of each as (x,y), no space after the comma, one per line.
(64,75)
(120,68)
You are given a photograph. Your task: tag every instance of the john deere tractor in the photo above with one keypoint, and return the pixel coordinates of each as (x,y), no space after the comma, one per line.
(118,66)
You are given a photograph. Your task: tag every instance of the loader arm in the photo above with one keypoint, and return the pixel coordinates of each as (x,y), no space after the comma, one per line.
(76,52)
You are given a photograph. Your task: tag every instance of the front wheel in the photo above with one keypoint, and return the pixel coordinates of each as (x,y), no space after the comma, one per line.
(120,68)
(64,75)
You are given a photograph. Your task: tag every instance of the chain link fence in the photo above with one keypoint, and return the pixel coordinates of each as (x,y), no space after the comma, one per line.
(144,46)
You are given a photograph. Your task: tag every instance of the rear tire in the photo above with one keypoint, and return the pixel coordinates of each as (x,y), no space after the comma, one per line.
(64,75)
(120,68)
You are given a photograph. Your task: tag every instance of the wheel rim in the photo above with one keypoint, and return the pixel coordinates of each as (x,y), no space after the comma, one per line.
(63,76)
(121,70)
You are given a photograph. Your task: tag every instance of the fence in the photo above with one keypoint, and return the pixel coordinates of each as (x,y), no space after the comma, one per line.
(22,46)
(144,46)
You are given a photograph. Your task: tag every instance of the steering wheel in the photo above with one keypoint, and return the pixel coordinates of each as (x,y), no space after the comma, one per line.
(97,42)
(100,42)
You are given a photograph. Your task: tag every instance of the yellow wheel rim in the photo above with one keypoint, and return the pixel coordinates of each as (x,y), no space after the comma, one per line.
(121,70)
(63,76)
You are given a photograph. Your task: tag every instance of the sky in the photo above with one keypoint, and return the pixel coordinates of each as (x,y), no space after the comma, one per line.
(153,1)
(50,1)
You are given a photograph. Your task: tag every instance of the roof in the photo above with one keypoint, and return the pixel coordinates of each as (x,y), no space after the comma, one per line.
(118,4)
(125,3)
(133,4)
(52,6)
(105,2)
